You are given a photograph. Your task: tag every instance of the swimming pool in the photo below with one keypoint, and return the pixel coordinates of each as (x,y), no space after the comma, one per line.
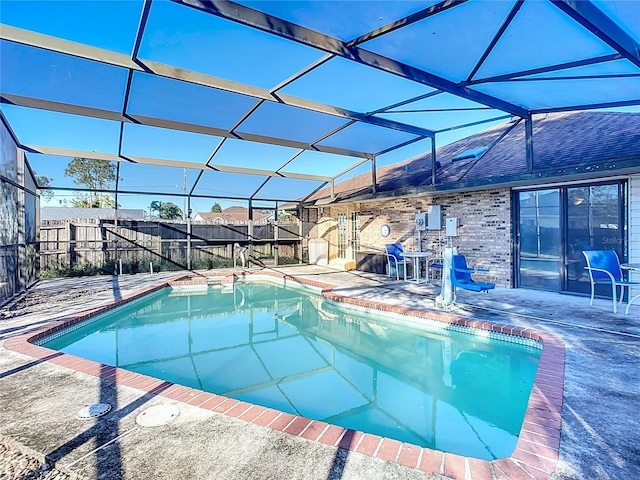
(289,349)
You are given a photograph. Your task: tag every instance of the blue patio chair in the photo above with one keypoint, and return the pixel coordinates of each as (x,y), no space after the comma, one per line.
(434,264)
(461,275)
(604,269)
(395,259)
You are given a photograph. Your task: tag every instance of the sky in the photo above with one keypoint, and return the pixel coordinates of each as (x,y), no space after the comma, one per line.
(189,39)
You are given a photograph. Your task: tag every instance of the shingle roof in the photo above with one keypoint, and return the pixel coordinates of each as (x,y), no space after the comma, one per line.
(563,144)
(72,213)
(232,214)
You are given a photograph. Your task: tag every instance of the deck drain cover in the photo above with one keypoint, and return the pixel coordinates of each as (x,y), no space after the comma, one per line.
(158,415)
(94,411)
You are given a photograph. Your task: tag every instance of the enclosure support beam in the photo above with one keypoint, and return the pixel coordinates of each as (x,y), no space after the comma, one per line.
(434,162)
(528,128)
(65,152)
(496,38)
(276,234)
(61,107)
(188,214)
(593,19)
(58,45)
(276,26)
(21,273)
(592,106)
(250,229)
(117,231)
(301,234)
(374,180)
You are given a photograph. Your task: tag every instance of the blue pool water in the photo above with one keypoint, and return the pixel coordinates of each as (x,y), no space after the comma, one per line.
(287,349)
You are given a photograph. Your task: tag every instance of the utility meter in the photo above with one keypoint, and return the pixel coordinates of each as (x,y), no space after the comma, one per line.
(451,227)
(421,221)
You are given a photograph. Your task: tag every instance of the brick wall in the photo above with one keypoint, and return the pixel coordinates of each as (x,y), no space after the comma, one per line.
(484,219)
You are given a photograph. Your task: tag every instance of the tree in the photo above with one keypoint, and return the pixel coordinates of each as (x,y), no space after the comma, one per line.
(95,175)
(166,210)
(44,181)
(85,201)
(216,208)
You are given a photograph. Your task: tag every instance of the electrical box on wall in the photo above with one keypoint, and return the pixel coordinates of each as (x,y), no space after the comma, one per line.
(421,221)
(451,227)
(434,217)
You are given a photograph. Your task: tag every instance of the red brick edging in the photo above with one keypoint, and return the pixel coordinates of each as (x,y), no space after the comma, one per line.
(535,456)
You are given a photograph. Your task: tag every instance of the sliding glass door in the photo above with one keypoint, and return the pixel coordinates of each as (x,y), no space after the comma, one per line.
(595,221)
(539,231)
(555,225)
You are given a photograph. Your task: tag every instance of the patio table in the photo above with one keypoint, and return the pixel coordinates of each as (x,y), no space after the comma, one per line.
(634,267)
(417,256)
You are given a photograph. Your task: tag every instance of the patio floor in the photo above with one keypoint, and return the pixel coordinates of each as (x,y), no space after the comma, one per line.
(39,400)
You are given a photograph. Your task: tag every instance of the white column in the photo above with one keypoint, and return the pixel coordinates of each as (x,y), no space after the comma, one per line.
(446,297)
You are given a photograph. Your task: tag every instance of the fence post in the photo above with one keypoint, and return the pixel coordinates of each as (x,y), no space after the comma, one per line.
(188,213)
(158,240)
(276,232)
(70,241)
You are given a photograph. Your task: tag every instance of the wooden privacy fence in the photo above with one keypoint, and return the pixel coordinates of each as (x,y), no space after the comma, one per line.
(166,245)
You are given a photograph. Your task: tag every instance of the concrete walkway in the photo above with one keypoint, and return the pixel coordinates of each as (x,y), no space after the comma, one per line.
(39,400)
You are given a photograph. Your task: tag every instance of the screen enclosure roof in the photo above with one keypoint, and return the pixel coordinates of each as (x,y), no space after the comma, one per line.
(275,100)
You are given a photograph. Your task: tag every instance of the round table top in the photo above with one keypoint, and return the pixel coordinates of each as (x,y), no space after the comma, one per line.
(631,266)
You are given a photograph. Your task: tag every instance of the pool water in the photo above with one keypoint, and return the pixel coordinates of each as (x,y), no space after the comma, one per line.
(288,349)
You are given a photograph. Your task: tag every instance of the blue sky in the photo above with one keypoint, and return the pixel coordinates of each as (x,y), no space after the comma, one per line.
(188,39)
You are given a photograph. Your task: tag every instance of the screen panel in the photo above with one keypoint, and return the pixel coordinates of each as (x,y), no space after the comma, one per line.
(240,153)
(78,21)
(42,74)
(186,102)
(230,185)
(625,13)
(194,40)
(8,214)
(8,155)
(163,143)
(532,40)
(616,67)
(346,84)
(52,167)
(62,130)
(366,138)
(320,163)
(287,188)
(448,44)
(292,123)
(440,112)
(558,93)
(421,147)
(329,17)
(158,179)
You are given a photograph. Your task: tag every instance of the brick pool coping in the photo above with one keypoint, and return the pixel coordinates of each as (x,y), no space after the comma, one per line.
(535,455)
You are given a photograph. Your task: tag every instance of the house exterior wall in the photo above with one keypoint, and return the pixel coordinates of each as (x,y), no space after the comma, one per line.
(484,232)
(634,227)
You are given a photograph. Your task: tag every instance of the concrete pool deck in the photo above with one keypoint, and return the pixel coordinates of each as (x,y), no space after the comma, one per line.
(39,400)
